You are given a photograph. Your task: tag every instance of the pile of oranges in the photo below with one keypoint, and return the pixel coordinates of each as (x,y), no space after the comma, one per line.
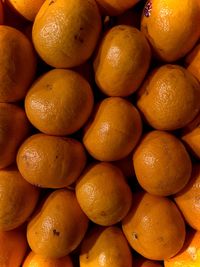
(99,133)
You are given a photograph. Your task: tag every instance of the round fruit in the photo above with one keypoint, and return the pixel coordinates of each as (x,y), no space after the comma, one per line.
(59,102)
(189,255)
(188,199)
(18,199)
(193,62)
(27,8)
(155,162)
(36,260)
(115,7)
(104,205)
(162,23)
(58,227)
(119,71)
(65,33)
(51,161)
(13,246)
(16,75)
(14,128)
(169,98)
(114,130)
(105,247)
(154,226)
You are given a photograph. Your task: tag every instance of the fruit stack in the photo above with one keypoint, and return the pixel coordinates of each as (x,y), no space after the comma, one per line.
(99,133)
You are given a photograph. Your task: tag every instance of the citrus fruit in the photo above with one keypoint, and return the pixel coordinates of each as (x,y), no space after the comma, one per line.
(59,102)
(65,33)
(155,162)
(103,205)
(51,161)
(169,97)
(119,71)
(58,227)
(114,130)
(154,226)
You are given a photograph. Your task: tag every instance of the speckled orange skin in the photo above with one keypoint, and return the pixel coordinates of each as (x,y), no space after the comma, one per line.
(192,139)
(36,260)
(104,205)
(14,128)
(65,33)
(162,164)
(58,227)
(105,246)
(59,102)
(169,98)
(154,226)
(18,199)
(16,75)
(189,256)
(114,130)
(115,7)
(13,246)
(27,8)
(119,71)
(192,61)
(162,23)
(51,161)
(188,199)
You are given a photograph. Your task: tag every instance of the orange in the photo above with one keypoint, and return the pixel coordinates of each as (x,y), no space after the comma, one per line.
(16,75)
(115,7)
(119,71)
(13,246)
(188,199)
(58,226)
(14,128)
(28,8)
(169,97)
(192,140)
(154,226)
(155,162)
(193,61)
(114,130)
(104,205)
(162,23)
(189,256)
(59,102)
(18,199)
(1,13)
(36,260)
(105,247)
(65,33)
(51,161)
